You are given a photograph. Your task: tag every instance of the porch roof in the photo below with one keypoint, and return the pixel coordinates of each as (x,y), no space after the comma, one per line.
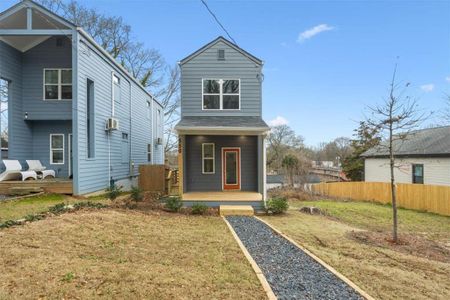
(222,124)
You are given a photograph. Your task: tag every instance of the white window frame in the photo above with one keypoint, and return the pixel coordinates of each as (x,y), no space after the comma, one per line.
(59,84)
(213,158)
(149,110)
(221,94)
(51,149)
(158,123)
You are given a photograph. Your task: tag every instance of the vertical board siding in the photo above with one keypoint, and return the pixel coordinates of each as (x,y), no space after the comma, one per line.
(20,140)
(45,56)
(94,172)
(436,170)
(194,180)
(431,198)
(235,66)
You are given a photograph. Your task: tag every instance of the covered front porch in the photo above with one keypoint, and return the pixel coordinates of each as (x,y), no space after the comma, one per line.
(222,164)
(223,196)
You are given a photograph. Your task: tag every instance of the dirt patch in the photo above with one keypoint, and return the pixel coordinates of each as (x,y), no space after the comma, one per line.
(408,243)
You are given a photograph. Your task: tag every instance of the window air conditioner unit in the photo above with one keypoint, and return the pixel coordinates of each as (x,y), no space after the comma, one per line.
(112,124)
(159,141)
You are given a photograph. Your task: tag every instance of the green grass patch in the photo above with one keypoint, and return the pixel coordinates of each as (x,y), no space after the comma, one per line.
(378,217)
(20,208)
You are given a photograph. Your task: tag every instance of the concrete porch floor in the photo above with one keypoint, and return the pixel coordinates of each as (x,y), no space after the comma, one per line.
(222,196)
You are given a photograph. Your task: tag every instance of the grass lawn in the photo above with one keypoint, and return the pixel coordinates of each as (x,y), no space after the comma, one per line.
(16,209)
(353,239)
(113,253)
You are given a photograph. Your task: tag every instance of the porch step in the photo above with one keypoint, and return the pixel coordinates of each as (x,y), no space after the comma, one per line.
(236,210)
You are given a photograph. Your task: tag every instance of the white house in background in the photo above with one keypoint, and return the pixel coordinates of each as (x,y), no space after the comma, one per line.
(424,158)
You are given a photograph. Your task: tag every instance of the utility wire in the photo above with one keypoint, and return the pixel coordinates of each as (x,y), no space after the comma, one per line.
(217,20)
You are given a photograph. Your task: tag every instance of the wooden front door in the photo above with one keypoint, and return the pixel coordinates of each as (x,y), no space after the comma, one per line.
(231,168)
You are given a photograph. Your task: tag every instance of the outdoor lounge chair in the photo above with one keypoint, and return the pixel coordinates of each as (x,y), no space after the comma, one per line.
(36,166)
(13,171)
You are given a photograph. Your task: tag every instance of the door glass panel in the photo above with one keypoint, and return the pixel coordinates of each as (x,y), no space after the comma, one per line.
(231,167)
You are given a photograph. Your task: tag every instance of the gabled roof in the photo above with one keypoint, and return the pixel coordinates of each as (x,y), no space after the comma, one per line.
(430,142)
(28,3)
(227,42)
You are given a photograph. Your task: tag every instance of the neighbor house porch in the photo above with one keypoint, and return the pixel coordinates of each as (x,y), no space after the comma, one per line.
(54,185)
(36,96)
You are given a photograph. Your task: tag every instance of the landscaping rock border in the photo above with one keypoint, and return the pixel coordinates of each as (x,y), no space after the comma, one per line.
(292,273)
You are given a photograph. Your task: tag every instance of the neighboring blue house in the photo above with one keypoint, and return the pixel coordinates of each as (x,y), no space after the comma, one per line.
(221,131)
(71,105)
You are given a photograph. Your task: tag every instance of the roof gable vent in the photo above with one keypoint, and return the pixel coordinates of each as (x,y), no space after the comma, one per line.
(221,54)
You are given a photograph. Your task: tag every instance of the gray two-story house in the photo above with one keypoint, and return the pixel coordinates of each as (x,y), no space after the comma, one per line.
(71,105)
(221,131)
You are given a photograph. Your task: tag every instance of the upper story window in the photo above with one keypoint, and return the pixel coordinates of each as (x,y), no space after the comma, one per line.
(116,88)
(221,94)
(57,84)
(149,110)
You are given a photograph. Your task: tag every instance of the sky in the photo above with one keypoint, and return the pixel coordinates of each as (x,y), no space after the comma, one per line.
(325,61)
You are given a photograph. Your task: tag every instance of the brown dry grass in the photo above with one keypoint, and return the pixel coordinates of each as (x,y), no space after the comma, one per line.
(416,270)
(124,254)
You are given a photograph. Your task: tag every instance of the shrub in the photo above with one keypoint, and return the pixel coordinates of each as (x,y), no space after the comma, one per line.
(113,191)
(89,204)
(174,204)
(199,209)
(58,208)
(277,205)
(136,193)
(32,218)
(9,223)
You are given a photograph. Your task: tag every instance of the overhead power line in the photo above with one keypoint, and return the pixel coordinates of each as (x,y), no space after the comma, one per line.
(217,20)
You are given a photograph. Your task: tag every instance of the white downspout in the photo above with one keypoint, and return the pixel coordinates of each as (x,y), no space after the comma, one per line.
(152,131)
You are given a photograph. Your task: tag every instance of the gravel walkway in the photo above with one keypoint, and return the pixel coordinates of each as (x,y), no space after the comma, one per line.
(291,273)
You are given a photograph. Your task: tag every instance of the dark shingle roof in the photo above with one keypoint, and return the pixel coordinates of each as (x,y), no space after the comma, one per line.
(222,122)
(425,142)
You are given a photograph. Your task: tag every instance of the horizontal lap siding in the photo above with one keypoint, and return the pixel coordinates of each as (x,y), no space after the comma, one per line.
(94,172)
(41,143)
(206,65)
(436,170)
(19,131)
(196,181)
(45,56)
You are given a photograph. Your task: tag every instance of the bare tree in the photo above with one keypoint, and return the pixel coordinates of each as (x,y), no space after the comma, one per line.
(395,119)
(280,140)
(446,112)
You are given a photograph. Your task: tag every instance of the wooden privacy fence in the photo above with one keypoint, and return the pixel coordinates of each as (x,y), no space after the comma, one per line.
(152,178)
(431,198)
(158,178)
